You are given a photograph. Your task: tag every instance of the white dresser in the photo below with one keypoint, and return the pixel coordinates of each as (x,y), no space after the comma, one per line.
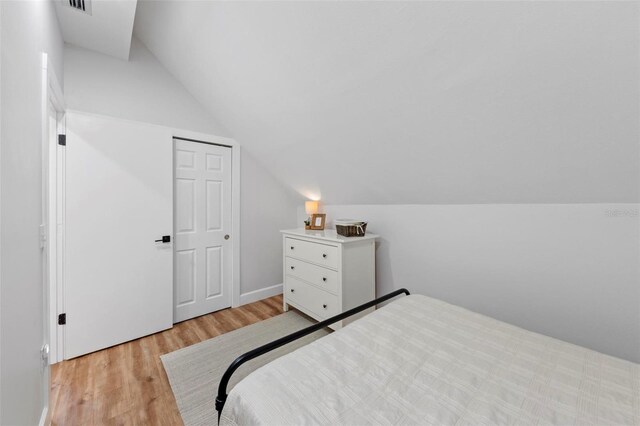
(326,273)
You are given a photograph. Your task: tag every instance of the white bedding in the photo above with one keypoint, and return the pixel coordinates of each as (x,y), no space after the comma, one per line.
(422,361)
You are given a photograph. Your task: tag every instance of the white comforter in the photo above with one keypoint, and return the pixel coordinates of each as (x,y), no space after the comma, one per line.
(422,361)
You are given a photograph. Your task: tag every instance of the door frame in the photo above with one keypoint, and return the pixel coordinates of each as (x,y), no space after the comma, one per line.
(52,98)
(52,94)
(57,301)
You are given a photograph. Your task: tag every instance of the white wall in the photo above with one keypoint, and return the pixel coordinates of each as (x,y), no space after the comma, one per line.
(570,271)
(27,29)
(139,89)
(267,208)
(143,90)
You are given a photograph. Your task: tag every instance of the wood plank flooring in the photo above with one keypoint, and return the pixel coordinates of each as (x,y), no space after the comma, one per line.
(126,384)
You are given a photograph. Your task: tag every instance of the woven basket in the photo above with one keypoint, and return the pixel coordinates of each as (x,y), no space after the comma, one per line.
(351,230)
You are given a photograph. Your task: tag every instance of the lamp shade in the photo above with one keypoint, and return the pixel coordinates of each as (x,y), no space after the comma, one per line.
(311,207)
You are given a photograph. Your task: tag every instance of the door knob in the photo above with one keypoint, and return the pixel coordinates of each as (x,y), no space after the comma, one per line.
(164,239)
(226,237)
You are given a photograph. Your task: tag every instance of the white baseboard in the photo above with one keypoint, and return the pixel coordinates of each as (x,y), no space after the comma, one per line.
(43,417)
(263,293)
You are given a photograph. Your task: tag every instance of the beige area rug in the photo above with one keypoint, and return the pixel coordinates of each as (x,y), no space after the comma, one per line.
(194,372)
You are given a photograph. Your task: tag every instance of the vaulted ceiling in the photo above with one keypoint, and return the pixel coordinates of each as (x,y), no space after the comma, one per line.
(103,26)
(418,102)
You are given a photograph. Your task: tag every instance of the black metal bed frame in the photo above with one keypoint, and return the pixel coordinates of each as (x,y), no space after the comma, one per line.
(222,388)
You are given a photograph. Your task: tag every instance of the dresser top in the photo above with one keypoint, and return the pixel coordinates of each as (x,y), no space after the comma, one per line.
(328,235)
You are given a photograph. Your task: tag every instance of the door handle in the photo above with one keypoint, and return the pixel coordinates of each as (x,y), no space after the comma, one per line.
(165,239)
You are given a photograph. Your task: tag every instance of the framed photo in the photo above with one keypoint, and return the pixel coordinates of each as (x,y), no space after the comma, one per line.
(317,221)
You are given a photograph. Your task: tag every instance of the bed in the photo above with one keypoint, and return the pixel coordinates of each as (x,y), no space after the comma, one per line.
(419,360)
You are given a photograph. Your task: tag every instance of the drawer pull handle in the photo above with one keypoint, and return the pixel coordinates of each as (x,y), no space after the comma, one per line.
(324,255)
(324,306)
(324,279)
(292,290)
(293,267)
(292,247)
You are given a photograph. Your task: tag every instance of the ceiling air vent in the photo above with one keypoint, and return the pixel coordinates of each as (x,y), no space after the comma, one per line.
(81,5)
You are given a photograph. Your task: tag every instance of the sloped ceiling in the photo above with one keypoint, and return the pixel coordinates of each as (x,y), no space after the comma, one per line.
(418,102)
(106,29)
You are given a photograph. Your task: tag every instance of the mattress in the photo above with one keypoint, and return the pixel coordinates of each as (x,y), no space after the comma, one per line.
(422,361)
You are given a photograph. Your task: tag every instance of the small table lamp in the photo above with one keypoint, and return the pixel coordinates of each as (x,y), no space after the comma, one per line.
(311,208)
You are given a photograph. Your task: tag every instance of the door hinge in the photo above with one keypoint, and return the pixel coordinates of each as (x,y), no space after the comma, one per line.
(62,140)
(62,319)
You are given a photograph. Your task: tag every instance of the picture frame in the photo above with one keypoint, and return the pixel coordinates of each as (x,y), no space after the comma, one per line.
(317,221)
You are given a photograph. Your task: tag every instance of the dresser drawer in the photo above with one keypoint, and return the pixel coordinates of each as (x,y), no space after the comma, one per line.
(326,279)
(320,254)
(319,302)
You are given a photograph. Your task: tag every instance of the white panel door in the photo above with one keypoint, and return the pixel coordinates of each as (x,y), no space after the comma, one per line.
(118,283)
(202,228)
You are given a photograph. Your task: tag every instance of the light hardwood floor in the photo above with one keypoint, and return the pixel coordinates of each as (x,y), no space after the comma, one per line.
(126,384)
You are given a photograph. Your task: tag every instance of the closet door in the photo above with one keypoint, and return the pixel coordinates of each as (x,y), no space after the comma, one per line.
(119,203)
(202,228)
